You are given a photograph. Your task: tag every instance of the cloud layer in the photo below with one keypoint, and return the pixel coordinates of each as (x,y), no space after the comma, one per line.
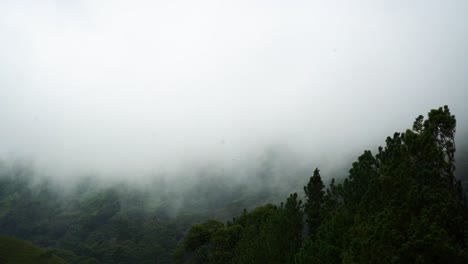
(146,86)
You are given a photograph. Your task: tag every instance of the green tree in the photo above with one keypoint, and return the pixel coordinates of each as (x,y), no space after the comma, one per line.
(314,197)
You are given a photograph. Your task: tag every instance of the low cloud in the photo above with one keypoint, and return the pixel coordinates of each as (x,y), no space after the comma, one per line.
(168,87)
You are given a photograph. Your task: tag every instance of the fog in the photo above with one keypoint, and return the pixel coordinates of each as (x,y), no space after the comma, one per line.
(138,88)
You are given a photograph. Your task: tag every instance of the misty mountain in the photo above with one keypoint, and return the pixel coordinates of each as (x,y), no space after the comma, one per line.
(124,222)
(96,221)
(232,131)
(401,205)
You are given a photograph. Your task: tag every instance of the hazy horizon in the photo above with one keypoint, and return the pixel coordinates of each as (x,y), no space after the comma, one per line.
(160,87)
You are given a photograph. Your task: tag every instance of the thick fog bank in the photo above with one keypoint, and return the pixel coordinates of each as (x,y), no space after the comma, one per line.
(164,89)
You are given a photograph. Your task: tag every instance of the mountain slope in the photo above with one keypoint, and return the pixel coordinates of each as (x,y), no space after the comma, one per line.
(17,251)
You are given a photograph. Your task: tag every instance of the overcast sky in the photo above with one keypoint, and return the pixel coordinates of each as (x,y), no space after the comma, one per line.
(135,86)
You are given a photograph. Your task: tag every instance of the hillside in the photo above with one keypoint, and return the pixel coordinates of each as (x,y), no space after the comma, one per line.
(403,201)
(115,223)
(14,251)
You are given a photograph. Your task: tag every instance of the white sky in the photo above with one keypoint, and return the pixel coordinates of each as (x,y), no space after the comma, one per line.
(135,86)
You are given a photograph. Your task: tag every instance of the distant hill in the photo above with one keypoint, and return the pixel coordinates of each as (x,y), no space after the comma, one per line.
(15,251)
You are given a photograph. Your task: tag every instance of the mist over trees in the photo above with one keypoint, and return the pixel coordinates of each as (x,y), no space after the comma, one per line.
(404,204)
(94,219)
(233,131)
(401,205)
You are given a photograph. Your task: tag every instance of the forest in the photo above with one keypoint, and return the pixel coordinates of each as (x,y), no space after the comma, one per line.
(402,204)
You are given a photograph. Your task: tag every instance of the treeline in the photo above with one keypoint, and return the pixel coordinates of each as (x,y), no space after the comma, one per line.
(86,225)
(93,222)
(104,221)
(401,205)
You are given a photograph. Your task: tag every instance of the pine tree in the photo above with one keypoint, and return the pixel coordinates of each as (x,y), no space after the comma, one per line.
(314,196)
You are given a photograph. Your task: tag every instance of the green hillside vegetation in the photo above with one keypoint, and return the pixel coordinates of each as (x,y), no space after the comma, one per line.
(90,222)
(93,226)
(15,251)
(401,205)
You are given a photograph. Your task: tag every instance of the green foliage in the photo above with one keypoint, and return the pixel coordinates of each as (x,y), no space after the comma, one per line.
(401,206)
(115,223)
(268,234)
(94,226)
(16,251)
(314,193)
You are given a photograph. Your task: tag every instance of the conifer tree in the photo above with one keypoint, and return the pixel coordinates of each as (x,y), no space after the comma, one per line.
(314,194)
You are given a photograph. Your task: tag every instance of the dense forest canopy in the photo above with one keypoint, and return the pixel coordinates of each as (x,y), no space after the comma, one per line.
(105,221)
